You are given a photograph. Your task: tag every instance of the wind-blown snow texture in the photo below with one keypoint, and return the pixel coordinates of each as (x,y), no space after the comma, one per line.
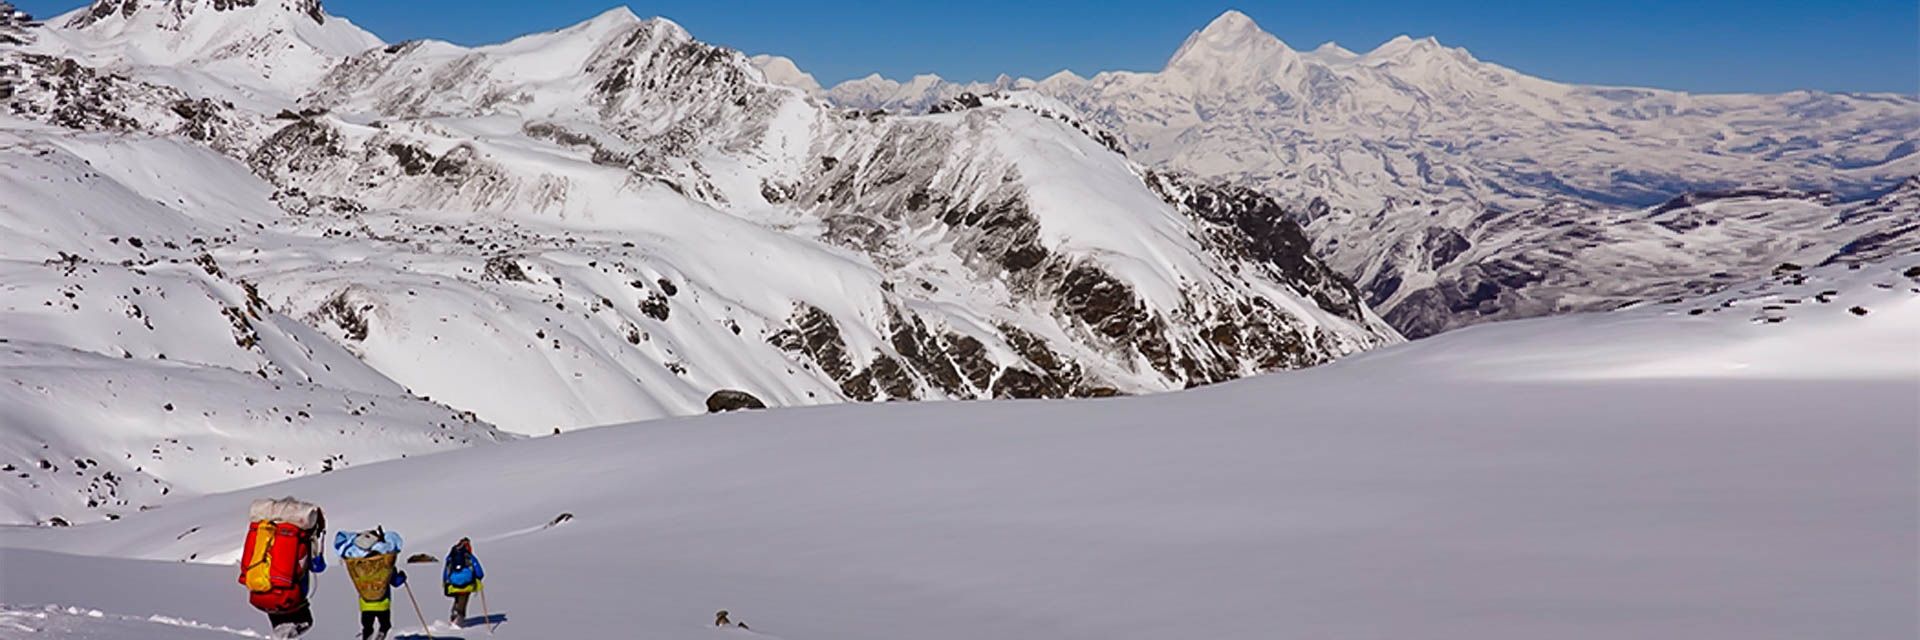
(1459,191)
(1731,467)
(606,223)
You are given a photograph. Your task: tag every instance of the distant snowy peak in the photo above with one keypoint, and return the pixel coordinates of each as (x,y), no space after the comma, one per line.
(922,93)
(1230,60)
(1230,52)
(782,71)
(1331,53)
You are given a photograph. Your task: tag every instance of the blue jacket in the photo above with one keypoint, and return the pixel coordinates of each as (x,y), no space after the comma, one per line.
(344,546)
(463,576)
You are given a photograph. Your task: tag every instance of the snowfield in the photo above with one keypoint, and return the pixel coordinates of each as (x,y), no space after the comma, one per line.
(1741,472)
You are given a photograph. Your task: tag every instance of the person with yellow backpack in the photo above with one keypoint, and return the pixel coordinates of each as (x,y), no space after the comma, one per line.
(370,557)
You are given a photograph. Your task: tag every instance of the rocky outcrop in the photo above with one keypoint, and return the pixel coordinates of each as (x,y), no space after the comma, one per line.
(726,400)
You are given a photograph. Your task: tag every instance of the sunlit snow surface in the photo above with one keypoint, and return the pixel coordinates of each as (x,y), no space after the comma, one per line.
(1645,473)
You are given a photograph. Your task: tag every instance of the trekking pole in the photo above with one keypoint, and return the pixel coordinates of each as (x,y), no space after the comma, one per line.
(482,588)
(416,611)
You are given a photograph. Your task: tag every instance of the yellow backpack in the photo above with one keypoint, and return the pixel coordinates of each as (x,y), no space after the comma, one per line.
(372,576)
(258,571)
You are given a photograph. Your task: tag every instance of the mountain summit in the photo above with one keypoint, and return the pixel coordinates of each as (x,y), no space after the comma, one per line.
(1232,52)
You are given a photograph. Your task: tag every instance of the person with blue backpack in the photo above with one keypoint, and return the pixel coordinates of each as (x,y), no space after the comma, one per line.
(462,578)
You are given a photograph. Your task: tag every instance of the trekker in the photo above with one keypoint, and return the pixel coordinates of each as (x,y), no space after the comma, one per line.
(370,557)
(278,559)
(461,578)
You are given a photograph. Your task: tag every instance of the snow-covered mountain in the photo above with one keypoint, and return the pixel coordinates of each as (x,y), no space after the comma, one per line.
(1415,142)
(268,48)
(606,223)
(1639,473)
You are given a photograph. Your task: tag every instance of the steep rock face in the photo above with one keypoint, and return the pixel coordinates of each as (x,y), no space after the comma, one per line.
(1407,161)
(609,222)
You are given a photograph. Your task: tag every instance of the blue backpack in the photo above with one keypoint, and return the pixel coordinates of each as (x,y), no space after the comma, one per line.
(463,570)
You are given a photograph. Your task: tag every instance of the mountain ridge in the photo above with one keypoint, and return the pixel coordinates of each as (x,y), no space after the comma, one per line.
(1413,142)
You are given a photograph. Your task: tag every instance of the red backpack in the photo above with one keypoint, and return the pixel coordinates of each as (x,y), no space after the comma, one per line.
(273,565)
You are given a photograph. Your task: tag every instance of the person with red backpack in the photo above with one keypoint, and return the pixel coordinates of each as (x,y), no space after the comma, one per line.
(461,578)
(278,559)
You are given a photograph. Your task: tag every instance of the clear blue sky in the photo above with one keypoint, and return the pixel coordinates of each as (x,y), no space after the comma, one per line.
(1694,45)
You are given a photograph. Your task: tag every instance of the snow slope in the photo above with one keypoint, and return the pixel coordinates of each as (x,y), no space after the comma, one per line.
(613,221)
(1396,157)
(1648,473)
(136,369)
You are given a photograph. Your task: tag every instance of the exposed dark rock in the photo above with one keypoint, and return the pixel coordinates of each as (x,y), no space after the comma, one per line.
(815,334)
(860,387)
(1020,384)
(889,376)
(1010,236)
(414,159)
(1259,229)
(726,400)
(1057,373)
(1104,303)
(1384,284)
(344,312)
(969,356)
(1443,245)
(201,118)
(1477,289)
(924,353)
(503,268)
(960,102)
(458,162)
(301,147)
(65,93)
(656,307)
